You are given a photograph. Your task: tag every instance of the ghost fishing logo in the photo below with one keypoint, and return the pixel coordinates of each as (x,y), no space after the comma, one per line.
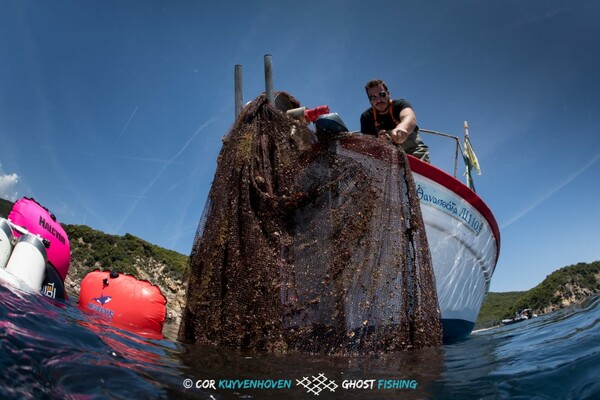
(317,383)
(98,303)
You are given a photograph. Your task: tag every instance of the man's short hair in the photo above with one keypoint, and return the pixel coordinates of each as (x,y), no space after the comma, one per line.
(374,83)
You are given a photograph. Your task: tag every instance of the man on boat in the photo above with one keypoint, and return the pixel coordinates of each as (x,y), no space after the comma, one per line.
(395,118)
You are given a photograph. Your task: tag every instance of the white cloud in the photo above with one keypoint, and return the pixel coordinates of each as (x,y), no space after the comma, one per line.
(7,186)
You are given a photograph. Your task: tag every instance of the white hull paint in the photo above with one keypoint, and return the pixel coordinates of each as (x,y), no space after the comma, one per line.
(464,242)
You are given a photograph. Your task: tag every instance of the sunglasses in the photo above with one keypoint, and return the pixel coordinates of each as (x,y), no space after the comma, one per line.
(381,95)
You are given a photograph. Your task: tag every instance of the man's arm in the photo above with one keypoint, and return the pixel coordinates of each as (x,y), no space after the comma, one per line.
(408,122)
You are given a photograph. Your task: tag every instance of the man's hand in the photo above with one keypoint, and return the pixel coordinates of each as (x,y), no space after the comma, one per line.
(399,135)
(407,125)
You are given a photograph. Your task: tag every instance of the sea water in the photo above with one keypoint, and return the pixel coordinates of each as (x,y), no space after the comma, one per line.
(51,350)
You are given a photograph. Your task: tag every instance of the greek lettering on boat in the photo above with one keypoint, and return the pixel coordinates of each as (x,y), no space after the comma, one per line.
(471,221)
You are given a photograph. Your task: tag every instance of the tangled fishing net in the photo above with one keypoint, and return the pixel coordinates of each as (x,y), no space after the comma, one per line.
(310,242)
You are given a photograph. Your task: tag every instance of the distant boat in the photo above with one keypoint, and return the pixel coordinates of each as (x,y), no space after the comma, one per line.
(464,241)
(520,315)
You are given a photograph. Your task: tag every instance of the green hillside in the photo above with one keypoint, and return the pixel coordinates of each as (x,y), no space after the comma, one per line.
(5,207)
(91,249)
(574,282)
(570,284)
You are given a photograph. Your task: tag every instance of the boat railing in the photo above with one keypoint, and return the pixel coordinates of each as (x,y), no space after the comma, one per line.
(455,138)
(458,150)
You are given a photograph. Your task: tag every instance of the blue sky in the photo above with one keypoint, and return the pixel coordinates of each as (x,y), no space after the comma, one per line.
(112,112)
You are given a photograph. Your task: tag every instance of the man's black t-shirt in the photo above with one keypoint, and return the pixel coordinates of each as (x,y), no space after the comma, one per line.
(413,144)
(385,121)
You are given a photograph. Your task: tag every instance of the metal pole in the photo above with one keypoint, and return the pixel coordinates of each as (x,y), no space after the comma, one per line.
(238,90)
(456,138)
(269,78)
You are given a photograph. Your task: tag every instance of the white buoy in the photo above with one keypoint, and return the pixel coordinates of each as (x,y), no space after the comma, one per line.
(28,261)
(6,246)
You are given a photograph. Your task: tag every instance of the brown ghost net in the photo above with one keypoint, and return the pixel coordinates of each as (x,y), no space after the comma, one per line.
(310,243)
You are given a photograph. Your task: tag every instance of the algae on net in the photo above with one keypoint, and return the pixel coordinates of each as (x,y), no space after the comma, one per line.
(310,243)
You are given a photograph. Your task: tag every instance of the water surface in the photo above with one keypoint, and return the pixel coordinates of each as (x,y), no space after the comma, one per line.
(51,350)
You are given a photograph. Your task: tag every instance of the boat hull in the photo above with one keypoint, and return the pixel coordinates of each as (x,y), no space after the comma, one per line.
(464,242)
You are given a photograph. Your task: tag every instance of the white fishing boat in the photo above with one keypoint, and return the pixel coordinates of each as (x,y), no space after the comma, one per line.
(462,233)
(464,241)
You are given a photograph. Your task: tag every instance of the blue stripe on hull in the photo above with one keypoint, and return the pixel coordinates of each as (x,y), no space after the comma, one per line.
(456,329)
